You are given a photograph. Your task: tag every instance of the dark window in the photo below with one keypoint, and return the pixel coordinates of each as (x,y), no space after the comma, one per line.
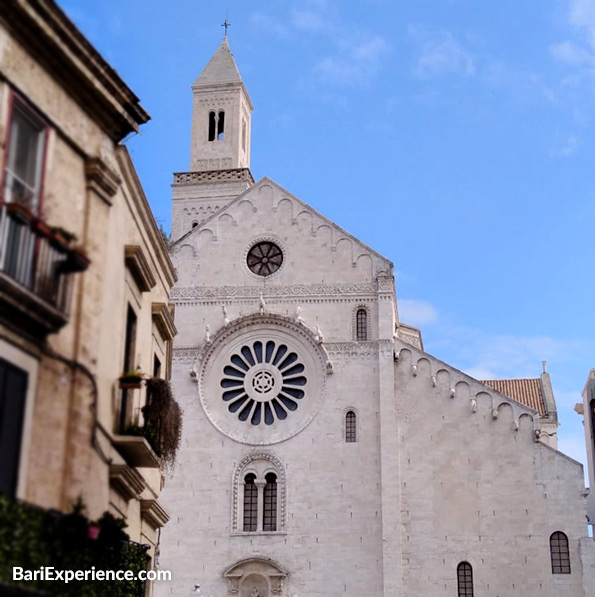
(465,579)
(350,433)
(24,162)
(212,126)
(270,503)
(220,126)
(156,366)
(250,503)
(194,224)
(592,409)
(13,388)
(560,553)
(129,365)
(361,320)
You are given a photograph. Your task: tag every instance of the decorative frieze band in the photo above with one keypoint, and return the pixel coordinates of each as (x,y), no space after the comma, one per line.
(185,355)
(234,174)
(314,290)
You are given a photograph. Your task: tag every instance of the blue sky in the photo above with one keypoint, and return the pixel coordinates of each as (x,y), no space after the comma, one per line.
(453,136)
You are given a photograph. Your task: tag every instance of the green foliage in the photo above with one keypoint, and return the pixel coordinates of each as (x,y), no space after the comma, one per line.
(163,420)
(31,537)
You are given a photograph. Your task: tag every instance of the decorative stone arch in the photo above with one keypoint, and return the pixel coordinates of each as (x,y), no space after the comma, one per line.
(261,574)
(356,309)
(260,463)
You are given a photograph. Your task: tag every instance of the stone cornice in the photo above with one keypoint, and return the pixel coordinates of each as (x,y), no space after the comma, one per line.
(128,482)
(139,267)
(101,179)
(164,320)
(65,52)
(153,513)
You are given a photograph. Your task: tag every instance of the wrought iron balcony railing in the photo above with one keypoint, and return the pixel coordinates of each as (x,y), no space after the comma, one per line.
(36,263)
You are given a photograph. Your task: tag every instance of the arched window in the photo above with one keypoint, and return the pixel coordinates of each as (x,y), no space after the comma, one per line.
(269,519)
(259,495)
(250,503)
(194,224)
(212,126)
(220,126)
(559,553)
(350,427)
(465,579)
(361,325)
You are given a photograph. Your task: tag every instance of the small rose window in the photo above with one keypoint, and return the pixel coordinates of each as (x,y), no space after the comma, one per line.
(263,383)
(264,258)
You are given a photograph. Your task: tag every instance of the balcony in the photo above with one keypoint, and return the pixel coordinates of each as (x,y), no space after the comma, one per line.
(36,267)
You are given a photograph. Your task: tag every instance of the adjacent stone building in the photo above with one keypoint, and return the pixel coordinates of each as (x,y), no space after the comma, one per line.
(84,278)
(325,453)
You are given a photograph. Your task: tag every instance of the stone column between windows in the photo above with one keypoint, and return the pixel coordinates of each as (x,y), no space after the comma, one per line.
(260,485)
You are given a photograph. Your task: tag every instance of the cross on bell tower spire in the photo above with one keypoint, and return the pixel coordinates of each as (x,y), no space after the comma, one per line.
(226,24)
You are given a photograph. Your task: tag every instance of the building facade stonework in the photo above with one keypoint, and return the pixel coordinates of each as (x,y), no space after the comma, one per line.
(324,452)
(85,278)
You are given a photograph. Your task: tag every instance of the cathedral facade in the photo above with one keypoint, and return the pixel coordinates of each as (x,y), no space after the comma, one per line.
(324,452)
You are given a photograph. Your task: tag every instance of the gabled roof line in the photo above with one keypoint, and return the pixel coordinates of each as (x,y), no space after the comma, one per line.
(266,179)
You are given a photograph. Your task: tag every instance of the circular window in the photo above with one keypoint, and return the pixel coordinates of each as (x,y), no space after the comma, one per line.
(264,258)
(262,382)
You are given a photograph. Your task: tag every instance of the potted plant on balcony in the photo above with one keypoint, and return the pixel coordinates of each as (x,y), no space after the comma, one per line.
(19,211)
(61,239)
(131,379)
(76,261)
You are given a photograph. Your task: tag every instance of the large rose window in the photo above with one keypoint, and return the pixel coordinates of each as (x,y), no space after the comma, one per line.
(263,382)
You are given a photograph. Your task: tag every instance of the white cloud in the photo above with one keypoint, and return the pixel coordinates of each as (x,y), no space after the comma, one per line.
(308,20)
(439,53)
(270,24)
(416,313)
(355,64)
(569,146)
(579,52)
(500,355)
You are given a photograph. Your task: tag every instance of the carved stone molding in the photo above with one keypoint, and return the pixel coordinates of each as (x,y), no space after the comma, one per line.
(185,355)
(231,175)
(352,350)
(314,290)
(163,318)
(101,179)
(126,481)
(139,267)
(153,513)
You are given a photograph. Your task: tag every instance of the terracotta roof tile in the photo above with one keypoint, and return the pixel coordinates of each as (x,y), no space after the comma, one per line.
(526,391)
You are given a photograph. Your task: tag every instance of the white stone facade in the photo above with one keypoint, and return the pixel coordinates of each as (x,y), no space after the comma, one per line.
(439,468)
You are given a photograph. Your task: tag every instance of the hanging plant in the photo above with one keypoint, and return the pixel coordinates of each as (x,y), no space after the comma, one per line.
(163,420)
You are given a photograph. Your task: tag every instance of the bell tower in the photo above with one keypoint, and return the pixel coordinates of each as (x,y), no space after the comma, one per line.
(220,150)
(221,116)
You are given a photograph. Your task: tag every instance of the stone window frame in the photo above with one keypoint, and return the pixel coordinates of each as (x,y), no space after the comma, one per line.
(348,410)
(250,464)
(268,238)
(354,313)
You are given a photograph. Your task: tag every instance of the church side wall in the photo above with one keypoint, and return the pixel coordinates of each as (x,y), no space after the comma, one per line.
(476,489)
